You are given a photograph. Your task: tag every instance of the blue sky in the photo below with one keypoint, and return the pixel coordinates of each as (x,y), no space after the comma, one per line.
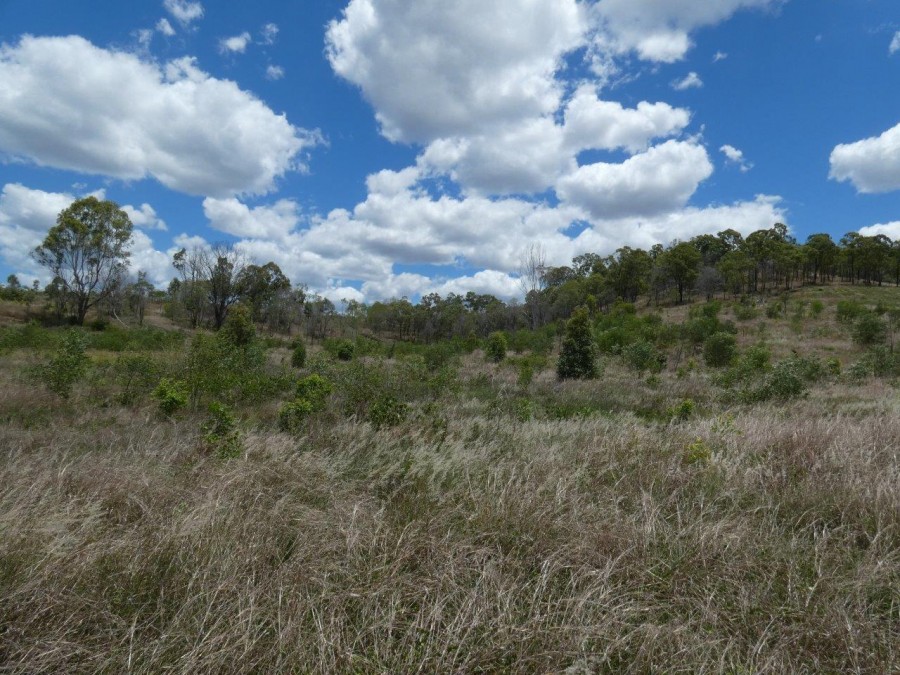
(379,148)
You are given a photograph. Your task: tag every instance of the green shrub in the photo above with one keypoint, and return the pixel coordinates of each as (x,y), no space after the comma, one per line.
(869,329)
(683,411)
(298,354)
(438,356)
(293,414)
(315,389)
(815,308)
(848,310)
(171,395)
(135,374)
(238,329)
(342,350)
(68,364)
(697,452)
(387,411)
(220,432)
(496,347)
(719,349)
(774,309)
(578,356)
(744,312)
(643,355)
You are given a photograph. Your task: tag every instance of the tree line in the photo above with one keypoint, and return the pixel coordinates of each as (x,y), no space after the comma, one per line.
(87,252)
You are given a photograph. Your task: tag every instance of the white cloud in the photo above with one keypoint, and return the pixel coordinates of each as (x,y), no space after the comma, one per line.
(184,11)
(872,164)
(268,34)
(891,230)
(68,104)
(145,217)
(719,56)
(435,69)
(736,156)
(606,125)
(264,222)
(236,44)
(274,73)
(689,81)
(657,181)
(164,27)
(659,30)
(895,43)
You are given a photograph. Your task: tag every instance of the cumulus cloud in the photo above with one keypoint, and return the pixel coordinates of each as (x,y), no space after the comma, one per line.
(68,104)
(434,69)
(660,31)
(689,81)
(274,73)
(237,44)
(145,217)
(184,11)
(895,43)
(872,164)
(659,180)
(591,123)
(735,156)
(891,230)
(263,222)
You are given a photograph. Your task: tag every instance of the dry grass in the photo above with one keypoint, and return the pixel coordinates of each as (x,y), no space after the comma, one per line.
(591,537)
(588,545)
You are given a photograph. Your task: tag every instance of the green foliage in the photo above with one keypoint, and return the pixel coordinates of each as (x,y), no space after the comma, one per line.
(135,374)
(643,355)
(697,452)
(87,251)
(683,411)
(719,349)
(342,350)
(774,309)
(709,310)
(848,310)
(816,307)
(578,356)
(68,364)
(496,347)
(387,411)
(238,329)
(315,389)
(293,414)
(744,312)
(171,395)
(217,367)
(869,329)
(298,354)
(28,336)
(878,361)
(220,432)
(438,356)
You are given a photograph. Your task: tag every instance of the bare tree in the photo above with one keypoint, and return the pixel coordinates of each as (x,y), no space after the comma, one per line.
(223,266)
(532,266)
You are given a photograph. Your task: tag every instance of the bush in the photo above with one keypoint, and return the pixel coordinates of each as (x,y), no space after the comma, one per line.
(238,329)
(342,350)
(815,308)
(577,358)
(68,364)
(293,414)
(387,411)
(774,309)
(220,432)
(496,347)
(298,354)
(135,373)
(642,355)
(315,389)
(719,349)
(172,395)
(848,310)
(869,329)
(744,312)
(683,411)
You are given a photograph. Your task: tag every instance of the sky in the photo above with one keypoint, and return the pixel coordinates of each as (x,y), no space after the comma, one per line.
(388,148)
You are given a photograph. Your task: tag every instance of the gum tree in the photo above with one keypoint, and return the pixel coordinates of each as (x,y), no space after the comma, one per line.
(87,251)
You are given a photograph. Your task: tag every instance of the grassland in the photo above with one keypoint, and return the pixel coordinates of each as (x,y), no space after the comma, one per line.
(504,523)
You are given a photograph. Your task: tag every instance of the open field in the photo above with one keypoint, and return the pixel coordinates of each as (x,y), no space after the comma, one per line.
(501,521)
